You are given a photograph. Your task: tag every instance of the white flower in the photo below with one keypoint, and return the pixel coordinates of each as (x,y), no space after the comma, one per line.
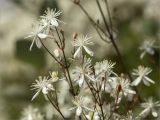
(31,113)
(149,107)
(104,68)
(80,73)
(51,18)
(43,84)
(124,87)
(37,34)
(147,47)
(80,104)
(82,42)
(141,74)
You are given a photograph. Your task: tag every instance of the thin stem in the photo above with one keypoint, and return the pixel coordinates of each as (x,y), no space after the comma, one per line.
(56,107)
(113,41)
(114,107)
(104,19)
(109,14)
(66,64)
(92,21)
(50,53)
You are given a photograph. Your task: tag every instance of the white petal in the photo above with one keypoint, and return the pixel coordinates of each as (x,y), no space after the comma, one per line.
(77,52)
(72,108)
(38,43)
(142,55)
(149,80)
(37,93)
(131,91)
(88,51)
(145,112)
(54,23)
(155,114)
(136,81)
(88,108)
(45,90)
(78,111)
(32,44)
(80,81)
(42,35)
(146,82)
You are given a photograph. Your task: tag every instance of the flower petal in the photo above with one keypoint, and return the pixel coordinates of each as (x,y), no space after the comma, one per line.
(77,52)
(78,111)
(88,51)
(136,81)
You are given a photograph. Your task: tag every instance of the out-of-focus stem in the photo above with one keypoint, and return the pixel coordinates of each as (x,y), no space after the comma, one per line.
(55,107)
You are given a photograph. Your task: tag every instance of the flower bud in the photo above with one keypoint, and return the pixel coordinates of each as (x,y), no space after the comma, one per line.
(76,1)
(118,88)
(56,52)
(74,35)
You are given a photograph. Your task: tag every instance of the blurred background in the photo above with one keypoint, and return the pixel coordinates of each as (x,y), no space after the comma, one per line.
(134,21)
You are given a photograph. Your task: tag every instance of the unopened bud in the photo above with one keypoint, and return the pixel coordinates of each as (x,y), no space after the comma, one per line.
(118,88)
(62,31)
(76,1)
(74,35)
(56,52)
(98,21)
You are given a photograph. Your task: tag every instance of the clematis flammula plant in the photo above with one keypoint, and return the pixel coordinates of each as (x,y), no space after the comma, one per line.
(141,74)
(43,85)
(82,43)
(80,105)
(149,107)
(147,47)
(37,34)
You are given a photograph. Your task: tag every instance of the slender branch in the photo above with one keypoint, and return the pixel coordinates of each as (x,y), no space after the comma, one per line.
(104,19)
(50,53)
(109,14)
(66,64)
(56,107)
(92,21)
(113,41)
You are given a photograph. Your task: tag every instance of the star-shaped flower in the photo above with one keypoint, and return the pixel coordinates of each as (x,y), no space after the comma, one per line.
(80,105)
(50,18)
(149,107)
(141,74)
(82,43)
(37,34)
(43,84)
(147,47)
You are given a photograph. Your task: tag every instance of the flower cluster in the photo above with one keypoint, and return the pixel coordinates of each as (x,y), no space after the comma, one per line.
(49,21)
(95,89)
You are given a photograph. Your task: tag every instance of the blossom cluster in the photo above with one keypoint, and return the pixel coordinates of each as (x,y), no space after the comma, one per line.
(97,92)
